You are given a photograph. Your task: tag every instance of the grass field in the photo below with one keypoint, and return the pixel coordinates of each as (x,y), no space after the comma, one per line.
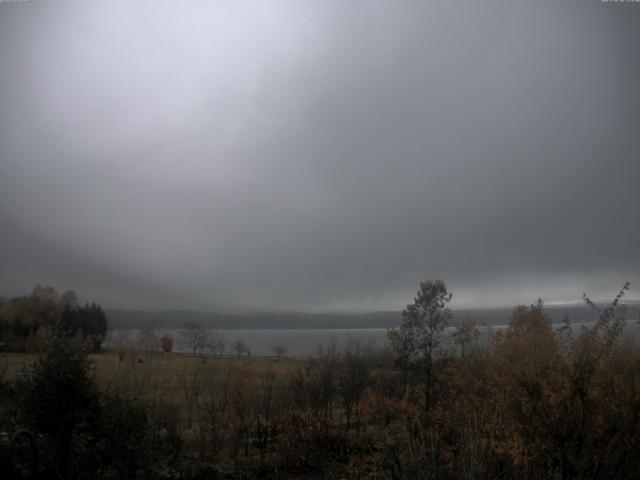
(172,378)
(109,364)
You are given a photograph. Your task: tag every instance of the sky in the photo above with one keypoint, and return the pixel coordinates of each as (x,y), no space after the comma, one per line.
(319,155)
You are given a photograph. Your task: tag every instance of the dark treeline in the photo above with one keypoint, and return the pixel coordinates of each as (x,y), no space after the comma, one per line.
(28,322)
(538,402)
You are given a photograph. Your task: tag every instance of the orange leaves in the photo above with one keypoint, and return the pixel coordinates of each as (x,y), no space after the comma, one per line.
(306,441)
(166,344)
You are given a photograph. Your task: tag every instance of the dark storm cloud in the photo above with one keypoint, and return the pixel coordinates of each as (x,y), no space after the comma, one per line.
(319,155)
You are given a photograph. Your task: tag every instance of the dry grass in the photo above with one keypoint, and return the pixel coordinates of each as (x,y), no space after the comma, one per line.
(108,366)
(12,365)
(168,378)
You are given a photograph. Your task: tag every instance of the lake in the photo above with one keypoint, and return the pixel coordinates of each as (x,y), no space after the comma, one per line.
(299,342)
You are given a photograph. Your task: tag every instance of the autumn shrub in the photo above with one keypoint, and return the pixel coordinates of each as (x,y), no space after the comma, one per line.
(308,444)
(543,404)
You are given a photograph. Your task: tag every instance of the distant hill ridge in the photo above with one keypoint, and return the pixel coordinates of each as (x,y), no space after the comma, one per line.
(123,319)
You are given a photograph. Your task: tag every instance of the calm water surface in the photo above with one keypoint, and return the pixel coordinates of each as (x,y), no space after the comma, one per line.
(300,342)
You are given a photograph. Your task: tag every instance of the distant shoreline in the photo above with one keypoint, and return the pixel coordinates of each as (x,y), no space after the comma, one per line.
(175,319)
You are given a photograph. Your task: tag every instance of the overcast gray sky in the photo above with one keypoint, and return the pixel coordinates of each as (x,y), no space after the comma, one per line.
(319,155)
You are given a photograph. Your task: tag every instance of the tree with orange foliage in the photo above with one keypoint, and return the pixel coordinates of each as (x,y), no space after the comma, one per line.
(166,343)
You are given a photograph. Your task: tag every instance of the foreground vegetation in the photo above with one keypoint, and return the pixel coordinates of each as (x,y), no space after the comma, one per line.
(538,402)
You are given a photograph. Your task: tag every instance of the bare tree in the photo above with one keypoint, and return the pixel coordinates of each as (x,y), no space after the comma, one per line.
(353,378)
(213,419)
(191,382)
(280,350)
(147,340)
(240,347)
(217,343)
(195,337)
(321,375)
